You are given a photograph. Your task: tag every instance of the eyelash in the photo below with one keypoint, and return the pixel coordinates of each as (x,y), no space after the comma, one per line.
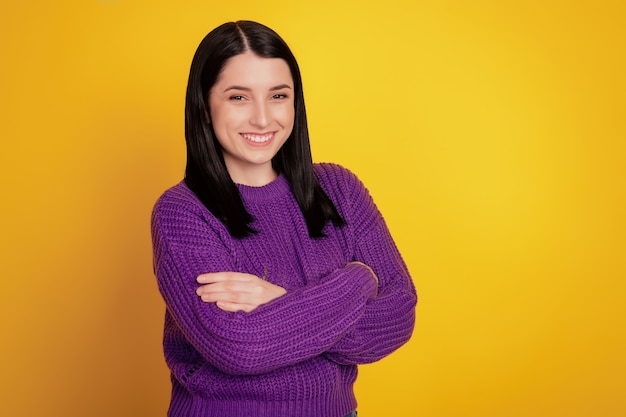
(279,96)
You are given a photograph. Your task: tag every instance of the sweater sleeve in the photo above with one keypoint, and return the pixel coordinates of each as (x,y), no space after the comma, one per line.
(388,320)
(301,324)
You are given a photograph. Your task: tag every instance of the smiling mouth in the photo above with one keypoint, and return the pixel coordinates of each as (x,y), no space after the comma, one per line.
(258,138)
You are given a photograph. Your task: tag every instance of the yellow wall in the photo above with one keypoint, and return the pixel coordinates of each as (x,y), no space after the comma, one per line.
(491,134)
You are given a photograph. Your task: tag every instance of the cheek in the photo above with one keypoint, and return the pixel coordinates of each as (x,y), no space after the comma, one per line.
(287,116)
(220,127)
(224,119)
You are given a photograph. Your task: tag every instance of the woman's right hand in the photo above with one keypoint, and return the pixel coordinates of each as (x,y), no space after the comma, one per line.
(237,291)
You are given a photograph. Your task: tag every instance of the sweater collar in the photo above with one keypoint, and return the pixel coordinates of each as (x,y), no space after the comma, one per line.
(271,191)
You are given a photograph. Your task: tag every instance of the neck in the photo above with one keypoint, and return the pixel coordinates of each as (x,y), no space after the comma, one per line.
(253,176)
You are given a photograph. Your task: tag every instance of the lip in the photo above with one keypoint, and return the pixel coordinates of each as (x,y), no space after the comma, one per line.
(257,138)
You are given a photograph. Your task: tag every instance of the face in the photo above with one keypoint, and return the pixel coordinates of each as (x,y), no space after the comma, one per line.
(252,112)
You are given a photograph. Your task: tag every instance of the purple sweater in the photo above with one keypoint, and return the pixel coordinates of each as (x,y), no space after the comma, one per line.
(296,355)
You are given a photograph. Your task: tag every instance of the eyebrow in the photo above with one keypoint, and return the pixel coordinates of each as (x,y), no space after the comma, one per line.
(238,87)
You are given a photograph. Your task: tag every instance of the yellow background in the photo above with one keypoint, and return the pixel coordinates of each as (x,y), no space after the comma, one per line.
(491,134)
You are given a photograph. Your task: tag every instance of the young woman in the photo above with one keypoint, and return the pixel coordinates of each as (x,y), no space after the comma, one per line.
(279,275)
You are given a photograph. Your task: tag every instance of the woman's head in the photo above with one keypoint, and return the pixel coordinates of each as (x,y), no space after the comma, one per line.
(206,173)
(214,54)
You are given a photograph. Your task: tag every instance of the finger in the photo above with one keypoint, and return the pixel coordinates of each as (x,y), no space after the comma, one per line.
(212,278)
(234,307)
(227,286)
(213,297)
(228,296)
(211,288)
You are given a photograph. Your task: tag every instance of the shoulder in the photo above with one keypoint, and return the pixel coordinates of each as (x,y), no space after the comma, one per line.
(334,177)
(178,206)
(176,198)
(180,217)
(345,189)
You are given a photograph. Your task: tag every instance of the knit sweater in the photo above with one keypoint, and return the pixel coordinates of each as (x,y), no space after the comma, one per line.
(298,354)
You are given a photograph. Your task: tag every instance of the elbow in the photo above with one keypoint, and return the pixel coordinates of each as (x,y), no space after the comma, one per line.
(392,340)
(396,338)
(409,326)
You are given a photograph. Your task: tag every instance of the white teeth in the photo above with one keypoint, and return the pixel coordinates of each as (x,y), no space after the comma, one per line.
(257,138)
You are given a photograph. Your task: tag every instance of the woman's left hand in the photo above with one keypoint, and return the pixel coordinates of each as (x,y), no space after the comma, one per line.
(236,291)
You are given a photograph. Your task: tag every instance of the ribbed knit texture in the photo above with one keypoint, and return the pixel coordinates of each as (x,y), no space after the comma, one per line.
(295,356)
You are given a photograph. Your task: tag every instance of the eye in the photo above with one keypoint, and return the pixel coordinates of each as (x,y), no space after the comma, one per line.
(236,98)
(279,96)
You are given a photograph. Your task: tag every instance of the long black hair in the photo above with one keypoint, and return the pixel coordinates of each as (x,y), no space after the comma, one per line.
(206,173)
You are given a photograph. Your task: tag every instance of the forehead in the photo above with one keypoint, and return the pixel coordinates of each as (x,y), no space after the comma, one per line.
(251,70)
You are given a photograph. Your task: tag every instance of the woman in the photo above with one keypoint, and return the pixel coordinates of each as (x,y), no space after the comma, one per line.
(279,276)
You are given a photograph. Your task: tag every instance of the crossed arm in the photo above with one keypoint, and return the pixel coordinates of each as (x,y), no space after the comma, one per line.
(242,324)
(237,291)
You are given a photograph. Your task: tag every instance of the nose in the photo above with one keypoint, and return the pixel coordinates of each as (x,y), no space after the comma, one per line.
(260,114)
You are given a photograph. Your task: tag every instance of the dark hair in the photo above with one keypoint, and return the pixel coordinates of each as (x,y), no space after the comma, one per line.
(206,173)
